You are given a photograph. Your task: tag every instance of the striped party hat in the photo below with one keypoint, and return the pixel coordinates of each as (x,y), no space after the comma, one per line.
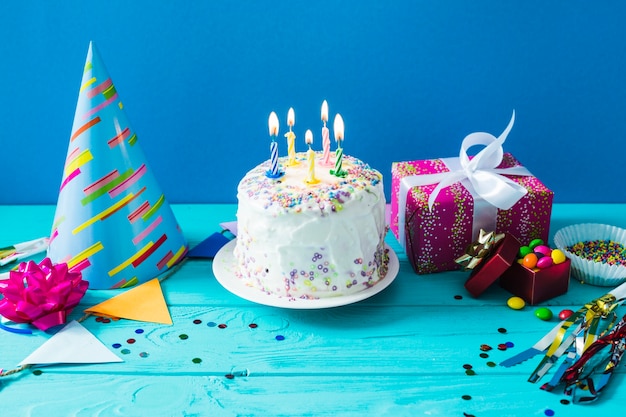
(112,221)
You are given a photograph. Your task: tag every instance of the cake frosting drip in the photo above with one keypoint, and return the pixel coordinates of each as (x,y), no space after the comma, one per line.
(304,240)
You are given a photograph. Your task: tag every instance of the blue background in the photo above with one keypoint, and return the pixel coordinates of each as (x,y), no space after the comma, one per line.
(411,79)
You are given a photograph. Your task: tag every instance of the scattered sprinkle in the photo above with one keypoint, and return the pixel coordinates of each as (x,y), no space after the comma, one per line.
(139,331)
(280,337)
(37,372)
(183,337)
(604,251)
(116,345)
(197,321)
(196,360)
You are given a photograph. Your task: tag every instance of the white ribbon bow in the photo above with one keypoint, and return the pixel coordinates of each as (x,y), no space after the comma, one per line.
(487,184)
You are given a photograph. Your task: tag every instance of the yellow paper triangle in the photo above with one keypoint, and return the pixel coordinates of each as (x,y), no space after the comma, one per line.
(143,303)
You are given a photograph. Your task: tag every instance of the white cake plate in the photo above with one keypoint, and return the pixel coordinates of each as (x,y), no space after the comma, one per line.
(224,265)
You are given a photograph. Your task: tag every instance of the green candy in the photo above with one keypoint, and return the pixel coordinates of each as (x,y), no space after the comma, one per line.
(523,251)
(534,243)
(543,313)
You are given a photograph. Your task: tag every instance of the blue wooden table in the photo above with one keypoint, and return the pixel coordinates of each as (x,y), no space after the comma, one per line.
(405,351)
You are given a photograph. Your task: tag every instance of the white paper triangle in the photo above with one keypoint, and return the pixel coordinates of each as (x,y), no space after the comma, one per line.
(72,344)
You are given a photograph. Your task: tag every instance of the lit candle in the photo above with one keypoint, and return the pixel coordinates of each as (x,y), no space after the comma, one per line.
(338,130)
(291,138)
(308,138)
(325,137)
(274,171)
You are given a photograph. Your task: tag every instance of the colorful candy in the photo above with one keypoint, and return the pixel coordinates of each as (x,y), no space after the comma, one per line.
(530,261)
(537,255)
(523,251)
(543,313)
(544,262)
(516,303)
(565,314)
(543,249)
(558,257)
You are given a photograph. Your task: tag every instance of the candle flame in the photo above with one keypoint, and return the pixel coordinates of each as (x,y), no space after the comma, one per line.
(325,111)
(308,137)
(273,124)
(291,117)
(338,127)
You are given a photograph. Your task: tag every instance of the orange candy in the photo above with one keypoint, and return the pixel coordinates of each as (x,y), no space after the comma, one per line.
(530,261)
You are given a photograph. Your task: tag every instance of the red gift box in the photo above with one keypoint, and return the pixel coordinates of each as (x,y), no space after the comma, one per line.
(493,266)
(435,221)
(537,285)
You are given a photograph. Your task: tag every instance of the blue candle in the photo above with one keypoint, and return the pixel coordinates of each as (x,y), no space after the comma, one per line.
(274,171)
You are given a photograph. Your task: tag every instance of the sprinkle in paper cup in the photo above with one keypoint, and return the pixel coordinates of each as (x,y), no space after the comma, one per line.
(597,251)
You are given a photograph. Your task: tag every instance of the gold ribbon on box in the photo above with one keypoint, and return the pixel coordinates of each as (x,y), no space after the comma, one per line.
(479,250)
(487,184)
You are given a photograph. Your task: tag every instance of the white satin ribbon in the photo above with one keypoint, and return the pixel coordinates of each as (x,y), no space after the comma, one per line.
(486,183)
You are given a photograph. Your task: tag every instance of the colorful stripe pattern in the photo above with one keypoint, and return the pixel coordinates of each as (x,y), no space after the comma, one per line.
(112,221)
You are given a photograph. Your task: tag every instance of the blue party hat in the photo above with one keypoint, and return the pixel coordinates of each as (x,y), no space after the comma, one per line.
(112,221)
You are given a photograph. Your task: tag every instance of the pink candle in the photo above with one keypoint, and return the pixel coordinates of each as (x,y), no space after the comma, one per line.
(325,137)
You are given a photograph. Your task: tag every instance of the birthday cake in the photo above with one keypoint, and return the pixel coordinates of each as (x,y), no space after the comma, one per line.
(302,240)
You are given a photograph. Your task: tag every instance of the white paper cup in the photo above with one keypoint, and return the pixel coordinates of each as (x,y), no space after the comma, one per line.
(592,272)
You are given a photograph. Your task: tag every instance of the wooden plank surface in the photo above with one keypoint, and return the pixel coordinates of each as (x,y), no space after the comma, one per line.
(402,352)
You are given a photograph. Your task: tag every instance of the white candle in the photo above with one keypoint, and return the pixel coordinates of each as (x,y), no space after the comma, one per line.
(308,138)
(291,138)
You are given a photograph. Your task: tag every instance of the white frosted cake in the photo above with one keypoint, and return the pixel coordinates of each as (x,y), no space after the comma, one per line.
(301,240)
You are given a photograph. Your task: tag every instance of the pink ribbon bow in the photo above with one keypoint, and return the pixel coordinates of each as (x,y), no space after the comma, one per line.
(41,294)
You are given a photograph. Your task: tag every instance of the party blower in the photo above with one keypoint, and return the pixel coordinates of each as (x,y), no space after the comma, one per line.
(591,343)
(112,222)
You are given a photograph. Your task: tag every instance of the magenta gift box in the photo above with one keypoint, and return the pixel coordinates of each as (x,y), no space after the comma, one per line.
(435,238)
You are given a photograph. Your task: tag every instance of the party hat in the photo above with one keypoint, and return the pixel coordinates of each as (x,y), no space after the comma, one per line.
(112,221)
